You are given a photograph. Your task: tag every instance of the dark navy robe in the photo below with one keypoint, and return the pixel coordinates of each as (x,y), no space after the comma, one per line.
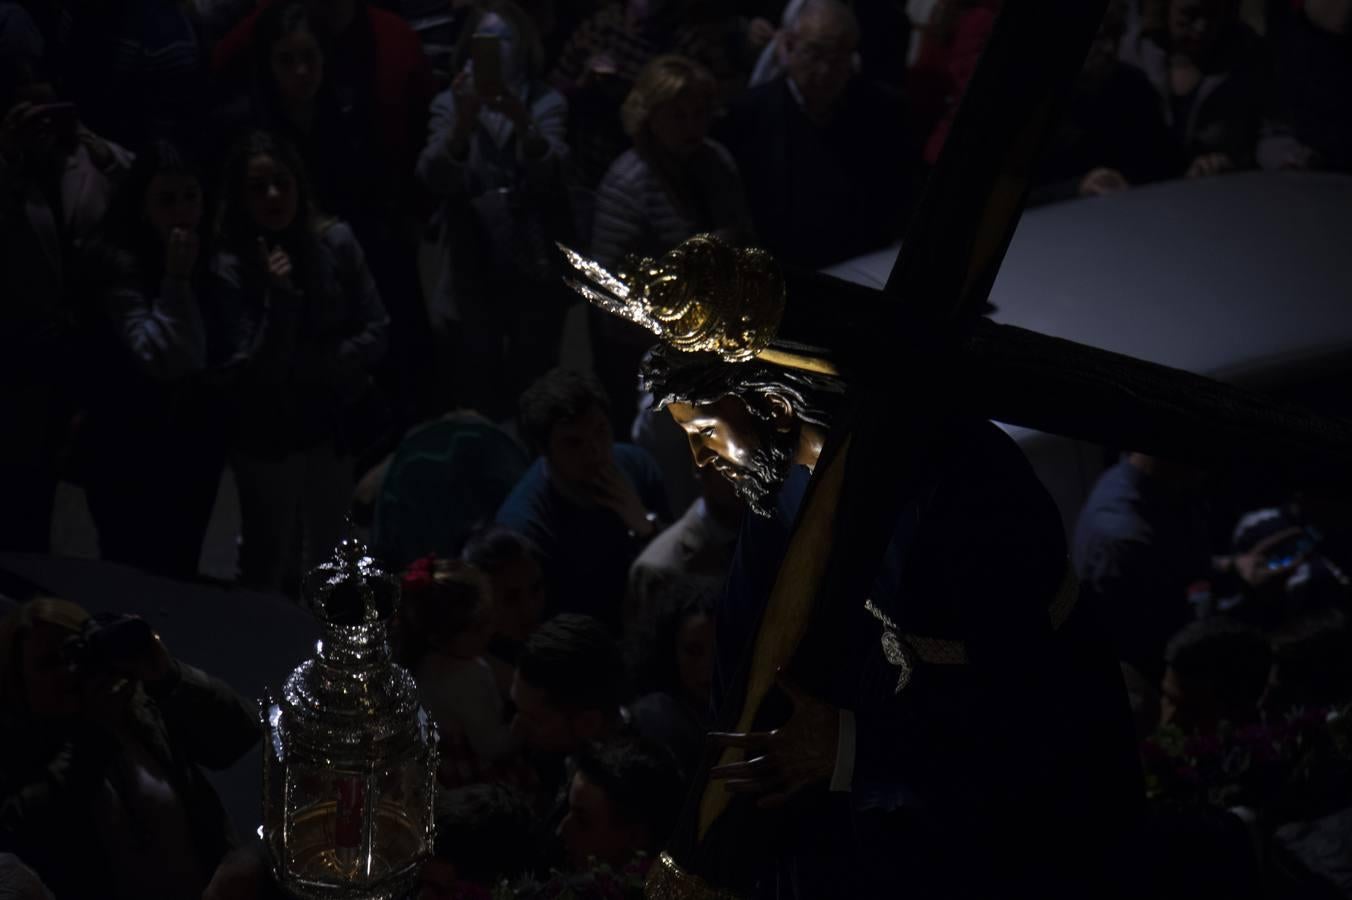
(1015,769)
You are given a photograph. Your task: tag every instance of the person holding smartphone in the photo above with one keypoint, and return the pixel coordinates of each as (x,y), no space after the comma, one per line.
(55,182)
(496,158)
(310,325)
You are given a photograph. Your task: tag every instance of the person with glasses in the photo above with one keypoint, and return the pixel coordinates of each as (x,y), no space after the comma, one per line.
(824,152)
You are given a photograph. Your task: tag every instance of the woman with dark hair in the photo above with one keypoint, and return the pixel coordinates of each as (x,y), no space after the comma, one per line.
(296,97)
(673,665)
(311,323)
(154,437)
(292,97)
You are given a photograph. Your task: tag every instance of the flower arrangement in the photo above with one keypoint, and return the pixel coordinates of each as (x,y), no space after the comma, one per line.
(1280,768)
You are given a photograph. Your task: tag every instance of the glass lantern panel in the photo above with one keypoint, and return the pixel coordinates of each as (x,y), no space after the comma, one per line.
(329,835)
(401,814)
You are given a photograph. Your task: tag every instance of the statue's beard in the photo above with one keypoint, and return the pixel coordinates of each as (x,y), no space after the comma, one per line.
(759,479)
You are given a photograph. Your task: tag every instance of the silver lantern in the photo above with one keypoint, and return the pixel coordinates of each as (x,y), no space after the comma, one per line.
(350,762)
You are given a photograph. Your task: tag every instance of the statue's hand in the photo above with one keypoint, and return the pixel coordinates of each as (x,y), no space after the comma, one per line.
(800,754)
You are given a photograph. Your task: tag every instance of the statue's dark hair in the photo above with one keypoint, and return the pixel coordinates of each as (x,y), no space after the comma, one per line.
(701,379)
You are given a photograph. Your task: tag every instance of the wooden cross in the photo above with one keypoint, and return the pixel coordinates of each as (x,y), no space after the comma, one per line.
(941,355)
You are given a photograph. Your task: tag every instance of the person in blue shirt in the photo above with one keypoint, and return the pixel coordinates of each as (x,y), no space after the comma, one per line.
(589,504)
(1140,545)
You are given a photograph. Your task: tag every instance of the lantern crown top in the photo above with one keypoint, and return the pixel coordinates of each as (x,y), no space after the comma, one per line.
(350,589)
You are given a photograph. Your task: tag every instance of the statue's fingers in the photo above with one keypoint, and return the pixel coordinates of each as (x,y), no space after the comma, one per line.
(752,740)
(753,785)
(753,768)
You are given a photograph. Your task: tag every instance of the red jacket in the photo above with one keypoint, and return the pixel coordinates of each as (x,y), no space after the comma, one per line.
(969,40)
(404,84)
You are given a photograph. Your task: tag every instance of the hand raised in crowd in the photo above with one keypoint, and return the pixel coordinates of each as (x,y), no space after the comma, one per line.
(1102,181)
(760,32)
(614,492)
(1257,571)
(1300,158)
(105,698)
(106,687)
(601,65)
(97,148)
(779,763)
(1210,164)
(277,265)
(181,254)
(511,106)
(22,130)
(153,665)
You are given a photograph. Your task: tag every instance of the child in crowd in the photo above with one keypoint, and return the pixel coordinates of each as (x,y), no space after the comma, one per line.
(444,628)
(512,566)
(673,662)
(485,833)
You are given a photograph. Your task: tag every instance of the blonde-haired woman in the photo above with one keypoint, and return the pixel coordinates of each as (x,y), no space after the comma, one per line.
(674,183)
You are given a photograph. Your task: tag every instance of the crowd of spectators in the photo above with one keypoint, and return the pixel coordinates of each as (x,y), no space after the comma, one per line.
(311,243)
(1234,648)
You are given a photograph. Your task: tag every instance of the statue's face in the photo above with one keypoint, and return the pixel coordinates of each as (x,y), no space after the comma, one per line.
(744,447)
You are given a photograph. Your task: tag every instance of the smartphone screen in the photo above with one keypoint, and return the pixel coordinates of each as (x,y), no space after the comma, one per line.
(487,56)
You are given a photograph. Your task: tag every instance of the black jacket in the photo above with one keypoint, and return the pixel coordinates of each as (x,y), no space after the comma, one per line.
(50,778)
(819,195)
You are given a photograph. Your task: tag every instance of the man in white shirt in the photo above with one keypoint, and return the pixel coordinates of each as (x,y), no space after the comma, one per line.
(691,558)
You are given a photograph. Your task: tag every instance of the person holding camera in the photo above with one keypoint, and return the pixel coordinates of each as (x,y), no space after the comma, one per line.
(100,787)
(496,160)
